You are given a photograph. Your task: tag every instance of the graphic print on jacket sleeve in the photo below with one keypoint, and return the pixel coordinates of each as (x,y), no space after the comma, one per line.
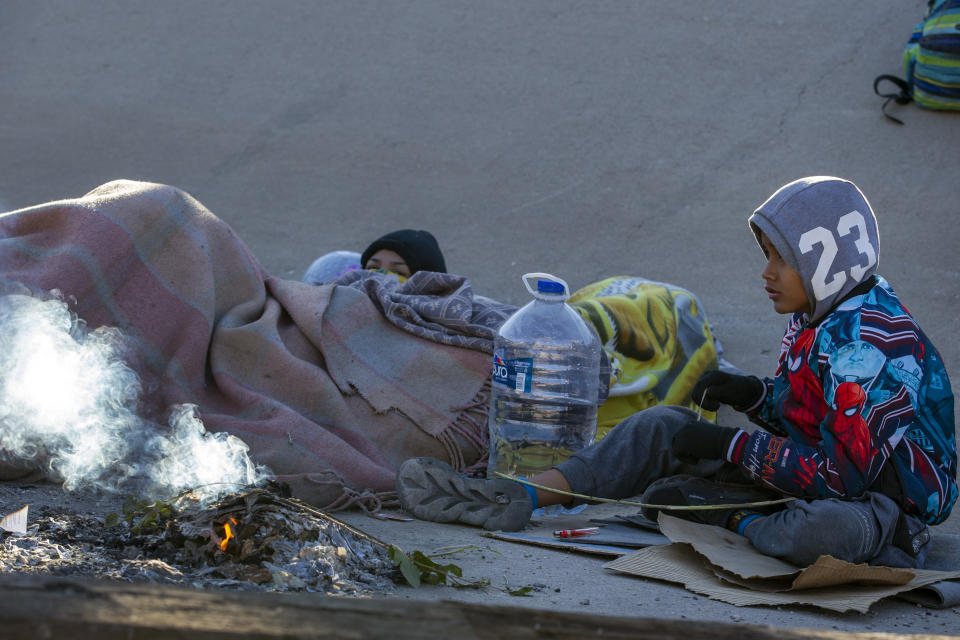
(848,426)
(804,406)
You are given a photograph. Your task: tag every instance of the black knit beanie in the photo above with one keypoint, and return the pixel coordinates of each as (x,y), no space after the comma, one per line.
(419,249)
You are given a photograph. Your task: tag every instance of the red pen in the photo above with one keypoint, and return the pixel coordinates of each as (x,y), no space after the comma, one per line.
(575,533)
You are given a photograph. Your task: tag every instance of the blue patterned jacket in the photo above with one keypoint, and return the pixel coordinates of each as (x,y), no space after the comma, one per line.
(859,402)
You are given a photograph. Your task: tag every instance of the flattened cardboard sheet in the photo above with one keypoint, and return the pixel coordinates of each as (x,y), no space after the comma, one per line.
(735,554)
(725,567)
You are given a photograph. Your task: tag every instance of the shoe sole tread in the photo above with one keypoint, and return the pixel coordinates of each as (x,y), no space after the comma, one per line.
(431,490)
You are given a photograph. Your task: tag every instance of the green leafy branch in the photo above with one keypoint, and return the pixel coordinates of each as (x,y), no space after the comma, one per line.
(418,568)
(143,517)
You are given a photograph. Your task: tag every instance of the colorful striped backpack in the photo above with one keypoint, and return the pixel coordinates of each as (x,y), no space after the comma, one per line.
(931,60)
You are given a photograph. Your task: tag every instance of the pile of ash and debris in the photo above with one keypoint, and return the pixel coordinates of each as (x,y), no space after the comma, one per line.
(254,540)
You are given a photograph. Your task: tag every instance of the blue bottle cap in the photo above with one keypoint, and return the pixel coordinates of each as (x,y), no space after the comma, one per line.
(549,286)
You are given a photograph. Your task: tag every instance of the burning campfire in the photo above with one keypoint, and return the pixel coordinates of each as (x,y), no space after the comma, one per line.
(69,407)
(257,539)
(228,534)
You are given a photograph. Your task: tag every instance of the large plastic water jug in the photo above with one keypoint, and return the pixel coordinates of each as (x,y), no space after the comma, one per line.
(544,396)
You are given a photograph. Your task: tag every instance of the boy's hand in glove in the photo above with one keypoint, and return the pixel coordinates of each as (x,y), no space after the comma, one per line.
(714,387)
(706,441)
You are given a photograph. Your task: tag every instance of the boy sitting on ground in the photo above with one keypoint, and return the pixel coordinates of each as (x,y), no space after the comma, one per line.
(857,422)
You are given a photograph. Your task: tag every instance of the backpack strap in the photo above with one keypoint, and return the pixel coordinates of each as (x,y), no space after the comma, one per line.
(900,98)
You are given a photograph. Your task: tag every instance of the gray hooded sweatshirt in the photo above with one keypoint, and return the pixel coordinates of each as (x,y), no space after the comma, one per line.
(825,229)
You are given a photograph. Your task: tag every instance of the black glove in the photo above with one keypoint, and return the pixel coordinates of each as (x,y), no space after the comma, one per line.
(714,387)
(702,441)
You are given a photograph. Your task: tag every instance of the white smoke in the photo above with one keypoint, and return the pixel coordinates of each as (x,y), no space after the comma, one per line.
(190,458)
(69,403)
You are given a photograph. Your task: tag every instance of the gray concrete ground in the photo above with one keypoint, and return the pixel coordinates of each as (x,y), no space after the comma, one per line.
(583,139)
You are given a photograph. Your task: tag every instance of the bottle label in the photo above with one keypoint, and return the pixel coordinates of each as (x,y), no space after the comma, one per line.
(514,374)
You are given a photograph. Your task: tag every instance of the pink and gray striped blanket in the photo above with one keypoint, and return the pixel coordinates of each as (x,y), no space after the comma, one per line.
(331,386)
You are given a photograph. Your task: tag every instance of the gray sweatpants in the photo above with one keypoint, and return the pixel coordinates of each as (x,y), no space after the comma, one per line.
(637,452)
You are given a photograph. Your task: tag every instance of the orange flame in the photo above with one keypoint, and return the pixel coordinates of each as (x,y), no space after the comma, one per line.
(228,533)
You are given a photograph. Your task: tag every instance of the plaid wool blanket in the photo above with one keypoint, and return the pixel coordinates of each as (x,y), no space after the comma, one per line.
(330,386)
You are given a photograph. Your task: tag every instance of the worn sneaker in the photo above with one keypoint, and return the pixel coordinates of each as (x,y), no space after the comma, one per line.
(691,490)
(431,490)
